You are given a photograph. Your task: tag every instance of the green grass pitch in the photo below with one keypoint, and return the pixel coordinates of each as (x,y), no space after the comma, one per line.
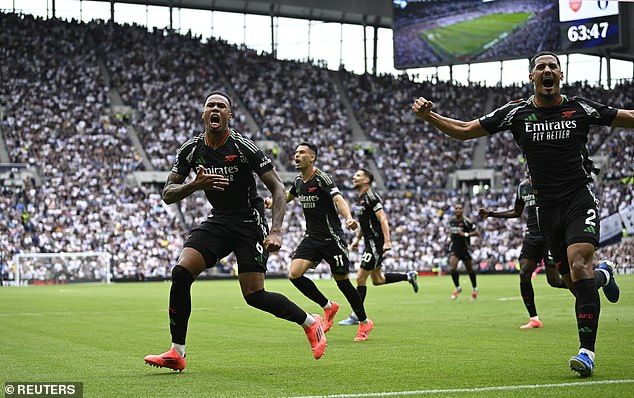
(422,345)
(468,38)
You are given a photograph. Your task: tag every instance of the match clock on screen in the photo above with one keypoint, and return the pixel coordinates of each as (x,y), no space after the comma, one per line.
(588,24)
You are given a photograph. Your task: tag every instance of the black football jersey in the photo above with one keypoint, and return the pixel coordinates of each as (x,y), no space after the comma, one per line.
(526,197)
(459,242)
(315,196)
(366,206)
(553,141)
(237,158)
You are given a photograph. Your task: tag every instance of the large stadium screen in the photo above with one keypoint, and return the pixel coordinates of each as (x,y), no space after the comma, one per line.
(588,24)
(448,32)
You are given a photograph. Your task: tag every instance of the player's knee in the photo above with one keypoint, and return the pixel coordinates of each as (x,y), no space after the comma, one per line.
(556,281)
(526,272)
(342,283)
(181,275)
(255,299)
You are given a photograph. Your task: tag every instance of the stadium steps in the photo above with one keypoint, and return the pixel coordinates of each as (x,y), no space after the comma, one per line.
(118,107)
(480,150)
(359,137)
(250,120)
(4,153)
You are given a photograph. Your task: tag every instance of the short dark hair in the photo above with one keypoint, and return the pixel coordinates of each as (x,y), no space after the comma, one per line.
(531,64)
(367,174)
(220,92)
(310,146)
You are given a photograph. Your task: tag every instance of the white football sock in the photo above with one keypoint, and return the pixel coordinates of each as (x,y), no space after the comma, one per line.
(180,349)
(590,353)
(309,321)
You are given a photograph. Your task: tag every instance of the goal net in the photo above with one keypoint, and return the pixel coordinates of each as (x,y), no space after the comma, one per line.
(61,268)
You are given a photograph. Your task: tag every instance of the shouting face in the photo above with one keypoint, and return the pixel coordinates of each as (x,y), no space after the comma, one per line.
(216,113)
(304,157)
(546,76)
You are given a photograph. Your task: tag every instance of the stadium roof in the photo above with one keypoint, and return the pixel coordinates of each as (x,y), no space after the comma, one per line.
(361,12)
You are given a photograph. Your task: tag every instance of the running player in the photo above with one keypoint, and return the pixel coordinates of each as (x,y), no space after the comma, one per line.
(224,162)
(324,238)
(461,230)
(534,249)
(552,131)
(375,230)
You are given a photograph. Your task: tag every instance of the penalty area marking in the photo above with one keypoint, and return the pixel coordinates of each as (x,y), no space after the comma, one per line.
(469,390)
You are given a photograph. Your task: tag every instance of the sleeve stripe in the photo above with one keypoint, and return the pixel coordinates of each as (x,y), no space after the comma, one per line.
(247,143)
(371,194)
(189,142)
(324,177)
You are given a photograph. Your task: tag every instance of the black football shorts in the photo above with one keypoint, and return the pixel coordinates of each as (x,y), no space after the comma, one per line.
(333,251)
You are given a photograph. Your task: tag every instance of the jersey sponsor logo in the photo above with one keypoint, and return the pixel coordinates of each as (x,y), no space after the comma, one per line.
(550,130)
(227,171)
(231,158)
(567,113)
(456,230)
(308,201)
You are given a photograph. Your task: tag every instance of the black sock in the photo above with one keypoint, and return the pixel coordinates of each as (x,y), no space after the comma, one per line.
(472,276)
(600,278)
(392,277)
(276,304)
(528,295)
(587,309)
(180,303)
(456,278)
(362,289)
(310,290)
(353,298)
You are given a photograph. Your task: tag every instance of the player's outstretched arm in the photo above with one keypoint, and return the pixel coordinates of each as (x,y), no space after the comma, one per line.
(512,213)
(175,189)
(624,118)
(273,182)
(457,129)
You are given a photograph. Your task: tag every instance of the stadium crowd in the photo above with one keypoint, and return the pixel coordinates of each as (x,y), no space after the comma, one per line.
(58,120)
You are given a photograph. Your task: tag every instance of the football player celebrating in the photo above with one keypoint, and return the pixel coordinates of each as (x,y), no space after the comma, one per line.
(552,130)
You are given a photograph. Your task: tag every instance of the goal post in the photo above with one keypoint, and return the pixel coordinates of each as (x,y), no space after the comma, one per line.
(61,268)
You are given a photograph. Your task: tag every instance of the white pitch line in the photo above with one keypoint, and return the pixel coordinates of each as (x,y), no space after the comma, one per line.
(468,390)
